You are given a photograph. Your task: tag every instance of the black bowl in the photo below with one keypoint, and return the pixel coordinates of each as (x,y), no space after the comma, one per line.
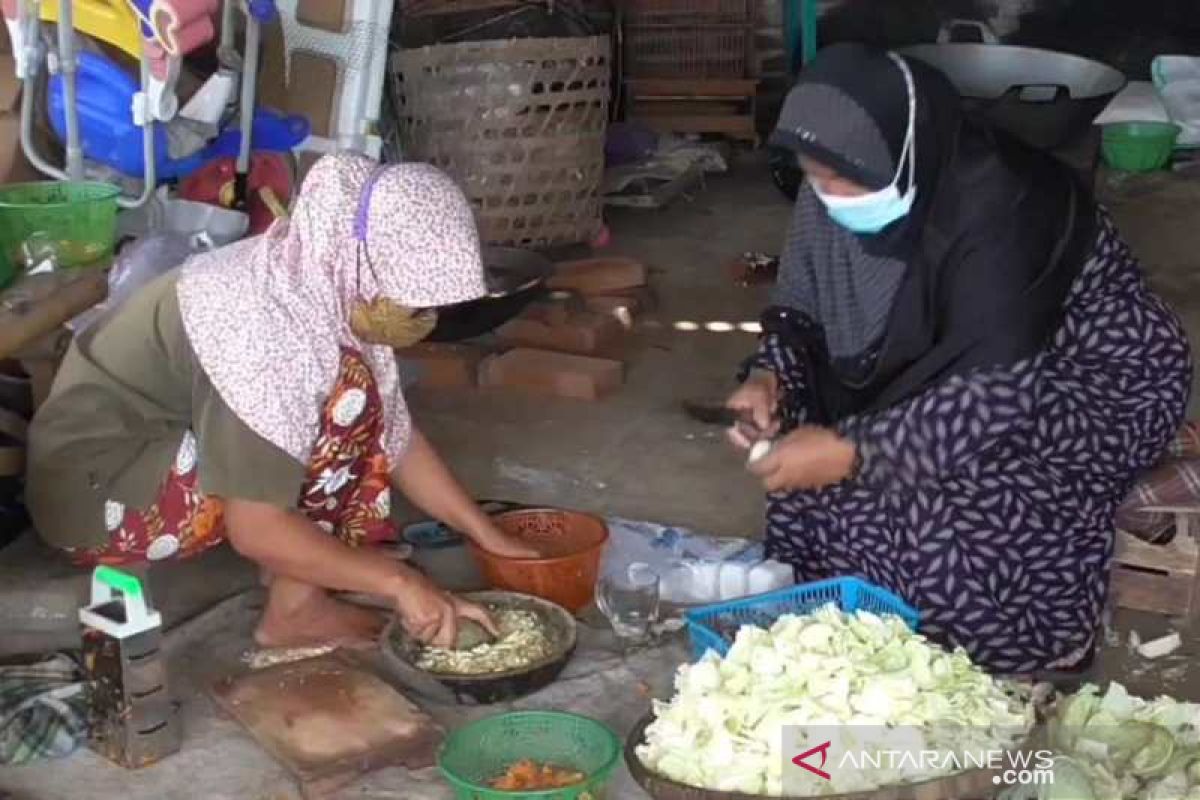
(400,652)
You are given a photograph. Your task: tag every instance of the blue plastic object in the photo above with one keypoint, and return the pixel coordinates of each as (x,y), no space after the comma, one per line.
(714,627)
(143,12)
(272,131)
(110,136)
(431,535)
(263,10)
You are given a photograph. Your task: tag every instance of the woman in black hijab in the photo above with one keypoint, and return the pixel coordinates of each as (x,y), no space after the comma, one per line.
(963,366)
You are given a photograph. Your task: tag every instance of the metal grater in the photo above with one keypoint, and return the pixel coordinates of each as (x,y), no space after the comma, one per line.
(132,719)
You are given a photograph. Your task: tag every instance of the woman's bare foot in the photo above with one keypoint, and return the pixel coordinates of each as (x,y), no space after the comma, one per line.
(301,615)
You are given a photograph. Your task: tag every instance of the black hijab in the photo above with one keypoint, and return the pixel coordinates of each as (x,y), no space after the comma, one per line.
(975,275)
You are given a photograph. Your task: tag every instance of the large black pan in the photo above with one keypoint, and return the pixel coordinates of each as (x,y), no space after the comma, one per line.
(515,278)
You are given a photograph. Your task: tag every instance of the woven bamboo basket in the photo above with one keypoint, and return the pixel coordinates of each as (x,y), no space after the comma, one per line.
(519,124)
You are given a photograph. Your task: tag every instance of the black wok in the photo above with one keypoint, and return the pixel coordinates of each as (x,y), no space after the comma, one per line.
(515,278)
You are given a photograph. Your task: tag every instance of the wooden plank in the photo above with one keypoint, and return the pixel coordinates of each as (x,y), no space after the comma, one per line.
(694,88)
(327,15)
(319,101)
(683,108)
(1155,592)
(39,305)
(328,721)
(1161,578)
(1179,556)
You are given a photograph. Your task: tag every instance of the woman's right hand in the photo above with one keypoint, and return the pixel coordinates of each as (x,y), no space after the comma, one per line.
(758,400)
(430,615)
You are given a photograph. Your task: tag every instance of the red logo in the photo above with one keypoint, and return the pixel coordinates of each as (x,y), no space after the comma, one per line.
(823,749)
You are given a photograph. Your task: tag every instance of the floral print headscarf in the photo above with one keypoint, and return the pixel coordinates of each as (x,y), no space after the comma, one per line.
(268,317)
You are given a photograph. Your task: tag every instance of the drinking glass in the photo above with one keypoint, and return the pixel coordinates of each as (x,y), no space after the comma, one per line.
(630,601)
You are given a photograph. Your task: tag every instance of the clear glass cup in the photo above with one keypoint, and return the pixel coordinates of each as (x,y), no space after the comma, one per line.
(630,601)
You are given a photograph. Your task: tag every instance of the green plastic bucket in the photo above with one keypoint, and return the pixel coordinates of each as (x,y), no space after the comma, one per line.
(478,753)
(1139,146)
(76,222)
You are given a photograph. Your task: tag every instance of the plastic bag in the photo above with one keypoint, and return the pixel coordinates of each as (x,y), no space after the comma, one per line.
(692,567)
(136,266)
(1177,79)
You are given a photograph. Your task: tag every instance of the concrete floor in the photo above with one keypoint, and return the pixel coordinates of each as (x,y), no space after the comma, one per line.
(636,454)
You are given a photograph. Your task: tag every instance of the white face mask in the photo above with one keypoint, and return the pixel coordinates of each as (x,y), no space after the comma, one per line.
(870,213)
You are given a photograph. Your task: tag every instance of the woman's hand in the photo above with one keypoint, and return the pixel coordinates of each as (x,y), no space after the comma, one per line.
(431,615)
(425,480)
(758,400)
(494,540)
(807,458)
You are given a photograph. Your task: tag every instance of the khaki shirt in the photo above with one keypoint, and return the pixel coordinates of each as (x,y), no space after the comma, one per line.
(128,390)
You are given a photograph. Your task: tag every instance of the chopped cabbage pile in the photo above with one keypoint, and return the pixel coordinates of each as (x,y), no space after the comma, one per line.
(855,674)
(1113,746)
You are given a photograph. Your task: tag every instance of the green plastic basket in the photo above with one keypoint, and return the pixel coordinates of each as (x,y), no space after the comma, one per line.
(482,751)
(1139,146)
(76,222)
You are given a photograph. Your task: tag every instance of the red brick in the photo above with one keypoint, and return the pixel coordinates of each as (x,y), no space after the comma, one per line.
(580,332)
(444,365)
(598,275)
(559,374)
(554,310)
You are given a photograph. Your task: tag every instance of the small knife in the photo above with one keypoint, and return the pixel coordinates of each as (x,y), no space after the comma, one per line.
(729,418)
(713,414)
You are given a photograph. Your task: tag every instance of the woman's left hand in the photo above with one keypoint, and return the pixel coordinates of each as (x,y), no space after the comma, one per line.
(425,480)
(807,458)
(496,541)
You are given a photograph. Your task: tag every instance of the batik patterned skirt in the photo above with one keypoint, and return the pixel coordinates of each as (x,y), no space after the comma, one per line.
(346,492)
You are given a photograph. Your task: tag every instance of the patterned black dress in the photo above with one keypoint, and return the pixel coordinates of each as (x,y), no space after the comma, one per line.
(988,501)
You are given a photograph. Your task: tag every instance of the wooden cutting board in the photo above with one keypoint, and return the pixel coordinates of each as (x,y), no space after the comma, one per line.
(329,721)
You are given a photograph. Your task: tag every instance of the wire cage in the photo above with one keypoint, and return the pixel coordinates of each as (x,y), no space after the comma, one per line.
(688,51)
(690,12)
(519,124)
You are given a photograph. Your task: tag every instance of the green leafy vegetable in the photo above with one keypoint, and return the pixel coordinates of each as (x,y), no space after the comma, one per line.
(1126,747)
(1071,782)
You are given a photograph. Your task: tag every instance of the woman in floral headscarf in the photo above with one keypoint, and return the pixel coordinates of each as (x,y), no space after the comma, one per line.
(249,397)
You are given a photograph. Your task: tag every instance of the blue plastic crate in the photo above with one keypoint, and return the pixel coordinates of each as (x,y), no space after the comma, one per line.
(714,627)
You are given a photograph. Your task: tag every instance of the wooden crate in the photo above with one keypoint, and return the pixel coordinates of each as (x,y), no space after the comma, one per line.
(1159,577)
(722,106)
